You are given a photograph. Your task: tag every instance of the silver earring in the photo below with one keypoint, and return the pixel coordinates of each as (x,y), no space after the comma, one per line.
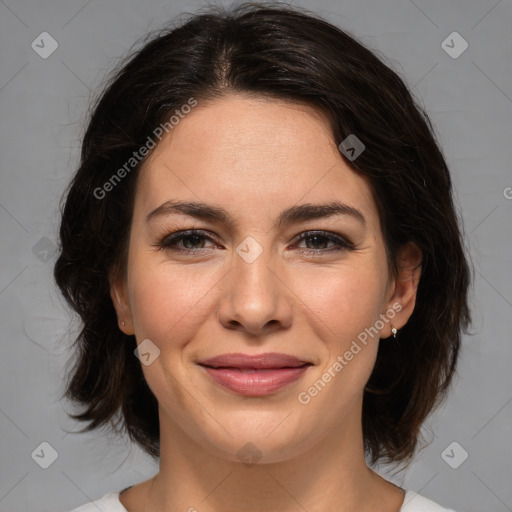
(393,331)
(123,323)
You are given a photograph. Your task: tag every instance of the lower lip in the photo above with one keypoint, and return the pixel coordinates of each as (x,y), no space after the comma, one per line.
(257,383)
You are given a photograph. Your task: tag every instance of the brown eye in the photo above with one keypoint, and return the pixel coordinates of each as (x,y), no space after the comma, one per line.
(318,241)
(186,241)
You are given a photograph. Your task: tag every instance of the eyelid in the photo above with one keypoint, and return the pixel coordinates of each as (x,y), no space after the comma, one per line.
(342,243)
(183,233)
(330,235)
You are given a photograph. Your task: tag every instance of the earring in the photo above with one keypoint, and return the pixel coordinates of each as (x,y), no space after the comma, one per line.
(394,331)
(123,323)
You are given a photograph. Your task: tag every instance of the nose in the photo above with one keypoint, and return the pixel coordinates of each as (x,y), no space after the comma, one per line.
(255,298)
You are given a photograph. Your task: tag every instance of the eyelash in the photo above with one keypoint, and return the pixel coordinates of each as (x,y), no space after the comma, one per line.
(343,244)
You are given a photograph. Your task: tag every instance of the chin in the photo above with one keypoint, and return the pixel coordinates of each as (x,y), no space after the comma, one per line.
(255,440)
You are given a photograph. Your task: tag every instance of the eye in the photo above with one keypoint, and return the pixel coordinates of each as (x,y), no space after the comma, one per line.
(192,240)
(318,242)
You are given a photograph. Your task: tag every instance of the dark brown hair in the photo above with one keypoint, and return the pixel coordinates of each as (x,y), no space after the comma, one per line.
(281,53)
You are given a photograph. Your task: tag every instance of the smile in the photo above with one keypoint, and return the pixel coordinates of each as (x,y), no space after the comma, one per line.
(255,381)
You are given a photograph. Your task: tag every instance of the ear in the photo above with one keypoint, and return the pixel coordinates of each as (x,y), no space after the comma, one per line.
(119,296)
(403,291)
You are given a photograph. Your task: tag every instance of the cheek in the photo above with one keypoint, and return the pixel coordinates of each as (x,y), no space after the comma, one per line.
(166,299)
(345,300)
(344,305)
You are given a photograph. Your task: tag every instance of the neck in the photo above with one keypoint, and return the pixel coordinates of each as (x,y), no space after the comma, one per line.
(331,475)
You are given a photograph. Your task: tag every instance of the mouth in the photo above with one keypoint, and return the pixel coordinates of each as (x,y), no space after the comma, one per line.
(256,375)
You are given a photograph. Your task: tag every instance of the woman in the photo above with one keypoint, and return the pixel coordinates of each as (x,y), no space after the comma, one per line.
(262,245)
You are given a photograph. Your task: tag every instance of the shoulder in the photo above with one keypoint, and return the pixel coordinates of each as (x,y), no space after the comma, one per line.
(414,502)
(109,503)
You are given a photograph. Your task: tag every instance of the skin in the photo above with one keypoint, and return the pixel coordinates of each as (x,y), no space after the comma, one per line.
(255,158)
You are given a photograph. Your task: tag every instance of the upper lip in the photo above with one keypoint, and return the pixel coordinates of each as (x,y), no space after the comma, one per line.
(258,361)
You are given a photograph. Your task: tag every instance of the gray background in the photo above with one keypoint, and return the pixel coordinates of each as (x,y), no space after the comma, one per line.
(42,109)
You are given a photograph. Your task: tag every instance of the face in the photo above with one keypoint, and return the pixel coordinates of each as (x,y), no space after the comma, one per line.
(281,252)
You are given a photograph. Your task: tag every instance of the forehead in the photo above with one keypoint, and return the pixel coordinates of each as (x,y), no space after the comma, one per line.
(256,150)
(236,128)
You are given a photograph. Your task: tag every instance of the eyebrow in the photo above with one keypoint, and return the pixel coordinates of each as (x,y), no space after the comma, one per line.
(294,214)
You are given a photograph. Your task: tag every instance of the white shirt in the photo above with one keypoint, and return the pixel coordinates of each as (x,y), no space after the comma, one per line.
(413,502)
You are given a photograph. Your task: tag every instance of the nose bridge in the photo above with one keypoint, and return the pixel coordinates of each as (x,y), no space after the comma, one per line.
(251,269)
(254,296)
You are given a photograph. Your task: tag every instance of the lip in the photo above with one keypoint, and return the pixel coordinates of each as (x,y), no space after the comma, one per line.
(266,361)
(255,375)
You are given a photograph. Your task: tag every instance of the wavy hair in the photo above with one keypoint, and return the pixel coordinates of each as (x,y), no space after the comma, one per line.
(287,54)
